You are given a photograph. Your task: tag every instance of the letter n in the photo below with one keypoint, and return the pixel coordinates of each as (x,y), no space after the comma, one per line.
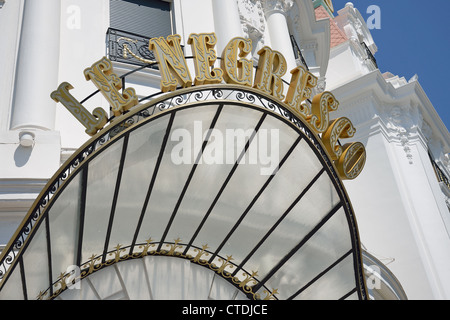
(171,61)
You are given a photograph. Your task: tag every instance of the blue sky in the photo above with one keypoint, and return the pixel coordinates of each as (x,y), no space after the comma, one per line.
(414,38)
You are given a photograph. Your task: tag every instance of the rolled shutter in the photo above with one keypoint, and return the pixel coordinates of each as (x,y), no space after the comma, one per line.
(149,18)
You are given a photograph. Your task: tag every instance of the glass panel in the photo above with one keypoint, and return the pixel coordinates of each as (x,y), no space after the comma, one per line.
(64,226)
(211,173)
(353,296)
(334,284)
(35,260)
(143,149)
(242,187)
(102,177)
(323,249)
(12,290)
(10,223)
(182,148)
(306,214)
(298,170)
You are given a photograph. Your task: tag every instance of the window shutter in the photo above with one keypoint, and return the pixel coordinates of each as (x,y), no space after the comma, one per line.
(149,18)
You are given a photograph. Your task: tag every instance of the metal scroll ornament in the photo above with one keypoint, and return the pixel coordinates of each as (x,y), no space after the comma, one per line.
(220,265)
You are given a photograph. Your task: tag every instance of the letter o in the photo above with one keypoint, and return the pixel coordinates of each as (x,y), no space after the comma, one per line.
(352,160)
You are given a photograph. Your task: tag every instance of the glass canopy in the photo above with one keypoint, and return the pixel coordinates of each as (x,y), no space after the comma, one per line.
(223,178)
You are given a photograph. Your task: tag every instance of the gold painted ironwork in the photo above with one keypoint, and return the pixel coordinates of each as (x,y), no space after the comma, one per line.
(102,75)
(146,247)
(95,263)
(249,278)
(198,258)
(268,79)
(92,121)
(127,51)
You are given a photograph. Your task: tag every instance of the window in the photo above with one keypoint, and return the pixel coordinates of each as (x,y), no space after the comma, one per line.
(148,18)
(132,24)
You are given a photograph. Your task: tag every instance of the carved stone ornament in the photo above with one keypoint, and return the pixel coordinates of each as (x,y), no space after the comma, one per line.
(399,122)
(277,5)
(252,22)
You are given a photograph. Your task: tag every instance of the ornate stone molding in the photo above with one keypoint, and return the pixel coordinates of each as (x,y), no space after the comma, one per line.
(252,21)
(353,24)
(399,124)
(282,6)
(321,85)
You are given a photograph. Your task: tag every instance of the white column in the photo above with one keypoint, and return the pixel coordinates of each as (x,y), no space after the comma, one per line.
(275,12)
(37,66)
(227,22)
(425,210)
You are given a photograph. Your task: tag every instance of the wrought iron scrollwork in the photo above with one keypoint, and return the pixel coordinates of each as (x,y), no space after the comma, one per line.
(221,265)
(129,48)
(160,102)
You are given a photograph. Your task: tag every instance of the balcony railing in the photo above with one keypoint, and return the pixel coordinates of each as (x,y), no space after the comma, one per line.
(440,175)
(129,48)
(369,54)
(132,48)
(298,53)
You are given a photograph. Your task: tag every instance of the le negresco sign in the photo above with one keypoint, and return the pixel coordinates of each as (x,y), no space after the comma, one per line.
(235,69)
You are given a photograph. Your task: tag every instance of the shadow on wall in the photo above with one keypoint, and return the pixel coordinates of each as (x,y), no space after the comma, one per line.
(22,155)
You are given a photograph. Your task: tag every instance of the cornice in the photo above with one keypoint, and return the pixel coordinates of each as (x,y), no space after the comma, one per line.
(408,103)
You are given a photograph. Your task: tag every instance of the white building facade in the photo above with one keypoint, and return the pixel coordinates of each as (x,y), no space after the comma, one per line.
(400,199)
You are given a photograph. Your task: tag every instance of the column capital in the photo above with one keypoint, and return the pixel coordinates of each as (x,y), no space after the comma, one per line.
(281,6)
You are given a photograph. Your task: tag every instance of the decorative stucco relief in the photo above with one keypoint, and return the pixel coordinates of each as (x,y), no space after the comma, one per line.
(399,124)
(277,5)
(253,22)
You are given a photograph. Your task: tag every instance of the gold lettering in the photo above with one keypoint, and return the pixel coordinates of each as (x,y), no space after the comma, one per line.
(299,90)
(204,57)
(234,69)
(93,122)
(237,71)
(271,67)
(338,128)
(321,105)
(171,61)
(352,160)
(102,75)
